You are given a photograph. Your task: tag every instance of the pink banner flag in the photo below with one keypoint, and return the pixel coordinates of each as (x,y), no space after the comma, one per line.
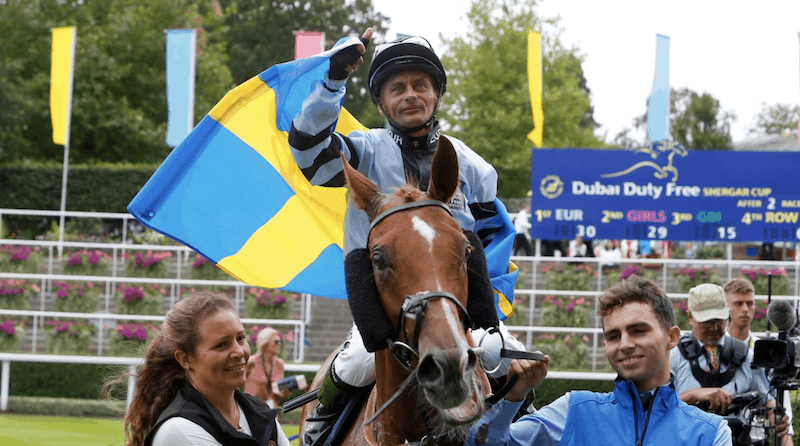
(308,43)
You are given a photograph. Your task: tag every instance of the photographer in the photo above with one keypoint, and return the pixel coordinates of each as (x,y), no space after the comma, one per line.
(709,365)
(740,297)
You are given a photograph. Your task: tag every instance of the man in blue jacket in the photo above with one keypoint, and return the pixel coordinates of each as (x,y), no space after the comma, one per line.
(639,327)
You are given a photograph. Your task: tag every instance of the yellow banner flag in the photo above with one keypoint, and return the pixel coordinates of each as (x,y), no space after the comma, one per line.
(535,86)
(62,59)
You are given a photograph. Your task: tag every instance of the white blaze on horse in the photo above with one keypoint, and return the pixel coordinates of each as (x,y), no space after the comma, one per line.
(430,380)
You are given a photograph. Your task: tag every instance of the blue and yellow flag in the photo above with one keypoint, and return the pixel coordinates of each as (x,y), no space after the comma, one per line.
(232,191)
(658,104)
(502,272)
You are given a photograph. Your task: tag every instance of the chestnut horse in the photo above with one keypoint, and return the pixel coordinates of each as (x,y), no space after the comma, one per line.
(419,262)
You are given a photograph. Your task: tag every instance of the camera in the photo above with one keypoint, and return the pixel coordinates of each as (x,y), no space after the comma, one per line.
(781,356)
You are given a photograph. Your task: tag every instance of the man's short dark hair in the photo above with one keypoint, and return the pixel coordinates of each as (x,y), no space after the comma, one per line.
(739,286)
(638,289)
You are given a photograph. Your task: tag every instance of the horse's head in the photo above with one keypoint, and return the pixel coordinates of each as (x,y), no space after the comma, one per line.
(419,258)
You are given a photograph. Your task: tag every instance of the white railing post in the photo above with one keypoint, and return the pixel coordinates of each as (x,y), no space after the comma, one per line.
(131,386)
(4,381)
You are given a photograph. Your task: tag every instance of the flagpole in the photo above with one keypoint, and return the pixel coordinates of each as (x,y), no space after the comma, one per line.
(65,170)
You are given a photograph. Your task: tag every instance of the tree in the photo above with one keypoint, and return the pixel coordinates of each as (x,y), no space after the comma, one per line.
(696,121)
(261,35)
(119,109)
(775,119)
(488,102)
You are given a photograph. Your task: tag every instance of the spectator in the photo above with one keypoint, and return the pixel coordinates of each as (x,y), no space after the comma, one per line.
(267,368)
(522,241)
(710,365)
(740,298)
(639,326)
(187,391)
(577,248)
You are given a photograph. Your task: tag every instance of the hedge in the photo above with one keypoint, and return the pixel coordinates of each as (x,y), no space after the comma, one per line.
(102,187)
(66,406)
(59,380)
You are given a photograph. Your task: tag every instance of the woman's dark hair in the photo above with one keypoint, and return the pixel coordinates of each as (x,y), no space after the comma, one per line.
(638,289)
(161,376)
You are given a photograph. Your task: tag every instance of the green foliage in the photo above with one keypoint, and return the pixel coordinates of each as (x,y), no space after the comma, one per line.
(552,389)
(615,276)
(103,187)
(759,277)
(15,294)
(566,353)
(76,297)
(130,339)
(260,34)
(57,380)
(150,264)
(268,304)
(66,406)
(568,277)
(695,120)
(776,118)
(140,299)
(20,259)
(689,278)
(68,338)
(710,252)
(11,332)
(488,105)
(119,99)
(85,262)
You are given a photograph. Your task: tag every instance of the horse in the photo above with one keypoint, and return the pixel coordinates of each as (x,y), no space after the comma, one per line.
(430,383)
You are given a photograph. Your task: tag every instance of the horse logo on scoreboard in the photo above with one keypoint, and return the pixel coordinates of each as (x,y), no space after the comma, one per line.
(657,150)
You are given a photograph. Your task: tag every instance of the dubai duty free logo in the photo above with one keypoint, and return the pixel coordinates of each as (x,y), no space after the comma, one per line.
(551,186)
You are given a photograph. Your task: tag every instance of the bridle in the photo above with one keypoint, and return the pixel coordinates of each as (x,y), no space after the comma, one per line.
(414,306)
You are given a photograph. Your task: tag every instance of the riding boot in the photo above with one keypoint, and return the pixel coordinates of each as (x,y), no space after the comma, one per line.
(333,397)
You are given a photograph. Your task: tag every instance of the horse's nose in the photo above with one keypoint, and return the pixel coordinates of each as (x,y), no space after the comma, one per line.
(435,368)
(431,371)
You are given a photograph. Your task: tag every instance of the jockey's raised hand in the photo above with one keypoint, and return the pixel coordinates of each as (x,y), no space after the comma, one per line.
(531,373)
(346,61)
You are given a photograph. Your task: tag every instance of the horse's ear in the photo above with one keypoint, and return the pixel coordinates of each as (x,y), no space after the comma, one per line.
(444,172)
(364,192)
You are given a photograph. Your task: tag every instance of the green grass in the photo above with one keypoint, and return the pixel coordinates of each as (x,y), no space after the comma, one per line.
(47,430)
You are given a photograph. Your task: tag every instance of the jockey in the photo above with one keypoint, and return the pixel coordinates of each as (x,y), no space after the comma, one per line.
(406,81)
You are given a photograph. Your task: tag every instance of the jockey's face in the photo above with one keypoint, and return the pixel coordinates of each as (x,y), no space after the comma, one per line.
(409,98)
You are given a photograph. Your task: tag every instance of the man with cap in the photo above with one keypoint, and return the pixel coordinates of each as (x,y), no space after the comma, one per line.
(708,364)
(406,81)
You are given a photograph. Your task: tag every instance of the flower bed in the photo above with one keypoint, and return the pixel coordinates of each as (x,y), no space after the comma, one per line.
(760,278)
(15,294)
(203,269)
(565,311)
(262,303)
(613,277)
(689,278)
(87,263)
(68,338)
(286,336)
(11,332)
(150,264)
(20,259)
(130,339)
(76,297)
(140,299)
(569,352)
(568,277)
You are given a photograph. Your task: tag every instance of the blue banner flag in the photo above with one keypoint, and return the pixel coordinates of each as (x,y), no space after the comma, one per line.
(180,84)
(232,191)
(665,192)
(502,272)
(658,105)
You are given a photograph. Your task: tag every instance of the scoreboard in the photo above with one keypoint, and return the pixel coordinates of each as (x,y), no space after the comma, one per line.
(665,192)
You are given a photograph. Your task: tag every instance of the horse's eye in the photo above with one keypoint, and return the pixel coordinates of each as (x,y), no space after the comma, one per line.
(467,251)
(378,260)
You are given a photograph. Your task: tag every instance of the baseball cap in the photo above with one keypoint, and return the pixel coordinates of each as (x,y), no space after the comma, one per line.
(707,301)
